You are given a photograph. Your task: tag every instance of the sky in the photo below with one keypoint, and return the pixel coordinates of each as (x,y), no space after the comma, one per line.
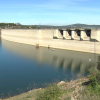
(50,12)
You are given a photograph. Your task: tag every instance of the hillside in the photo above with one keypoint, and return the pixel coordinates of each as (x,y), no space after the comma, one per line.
(20,26)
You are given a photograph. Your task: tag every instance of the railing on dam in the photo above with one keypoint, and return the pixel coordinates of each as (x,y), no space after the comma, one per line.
(77,34)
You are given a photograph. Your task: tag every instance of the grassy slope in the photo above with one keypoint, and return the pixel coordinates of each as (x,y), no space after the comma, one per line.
(72,90)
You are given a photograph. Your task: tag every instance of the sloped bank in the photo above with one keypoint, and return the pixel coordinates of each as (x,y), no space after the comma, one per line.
(68,91)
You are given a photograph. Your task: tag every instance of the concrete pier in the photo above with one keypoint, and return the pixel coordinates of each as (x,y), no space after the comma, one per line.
(55,34)
(82,35)
(77,35)
(66,34)
(60,34)
(95,35)
(72,34)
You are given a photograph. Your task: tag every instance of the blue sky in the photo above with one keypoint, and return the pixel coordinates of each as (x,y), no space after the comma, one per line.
(50,12)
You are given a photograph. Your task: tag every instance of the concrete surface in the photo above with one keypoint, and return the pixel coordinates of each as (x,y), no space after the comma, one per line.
(44,37)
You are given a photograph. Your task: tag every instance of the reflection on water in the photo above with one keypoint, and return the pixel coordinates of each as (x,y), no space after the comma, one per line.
(61,59)
(0,43)
(22,65)
(0,40)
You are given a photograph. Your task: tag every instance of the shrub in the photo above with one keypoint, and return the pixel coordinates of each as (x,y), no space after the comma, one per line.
(52,92)
(98,63)
(93,85)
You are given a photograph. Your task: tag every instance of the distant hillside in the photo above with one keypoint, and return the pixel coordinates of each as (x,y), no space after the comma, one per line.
(71,26)
(19,26)
(85,26)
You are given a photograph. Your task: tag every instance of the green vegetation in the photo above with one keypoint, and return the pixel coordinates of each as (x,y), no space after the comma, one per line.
(7,24)
(94,84)
(91,90)
(52,92)
(19,26)
(16,26)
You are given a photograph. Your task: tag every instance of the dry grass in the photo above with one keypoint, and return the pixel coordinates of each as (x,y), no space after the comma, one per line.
(30,95)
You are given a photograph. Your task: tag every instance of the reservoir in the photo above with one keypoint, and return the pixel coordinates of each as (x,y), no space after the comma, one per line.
(25,67)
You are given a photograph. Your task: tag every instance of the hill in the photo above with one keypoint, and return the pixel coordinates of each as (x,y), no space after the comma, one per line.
(20,26)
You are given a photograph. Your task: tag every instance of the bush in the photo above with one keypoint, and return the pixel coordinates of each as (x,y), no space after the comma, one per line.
(93,82)
(98,63)
(98,78)
(52,92)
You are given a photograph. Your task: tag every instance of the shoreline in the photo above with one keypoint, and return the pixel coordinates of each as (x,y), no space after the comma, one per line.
(73,45)
(32,94)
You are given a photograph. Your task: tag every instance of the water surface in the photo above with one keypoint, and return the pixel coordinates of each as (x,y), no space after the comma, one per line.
(24,67)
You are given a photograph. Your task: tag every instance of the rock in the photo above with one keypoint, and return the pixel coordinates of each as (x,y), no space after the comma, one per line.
(62,82)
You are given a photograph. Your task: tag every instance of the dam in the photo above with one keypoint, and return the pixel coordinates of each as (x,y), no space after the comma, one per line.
(26,67)
(22,66)
(84,40)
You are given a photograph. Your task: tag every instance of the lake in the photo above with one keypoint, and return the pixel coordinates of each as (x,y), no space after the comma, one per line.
(25,67)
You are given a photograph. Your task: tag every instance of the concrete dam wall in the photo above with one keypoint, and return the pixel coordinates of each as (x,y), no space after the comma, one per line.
(78,40)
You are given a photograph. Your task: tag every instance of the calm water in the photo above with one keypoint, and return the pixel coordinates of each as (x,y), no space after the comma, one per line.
(24,67)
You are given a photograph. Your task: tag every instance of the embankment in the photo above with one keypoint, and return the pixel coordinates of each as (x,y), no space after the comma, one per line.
(44,37)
